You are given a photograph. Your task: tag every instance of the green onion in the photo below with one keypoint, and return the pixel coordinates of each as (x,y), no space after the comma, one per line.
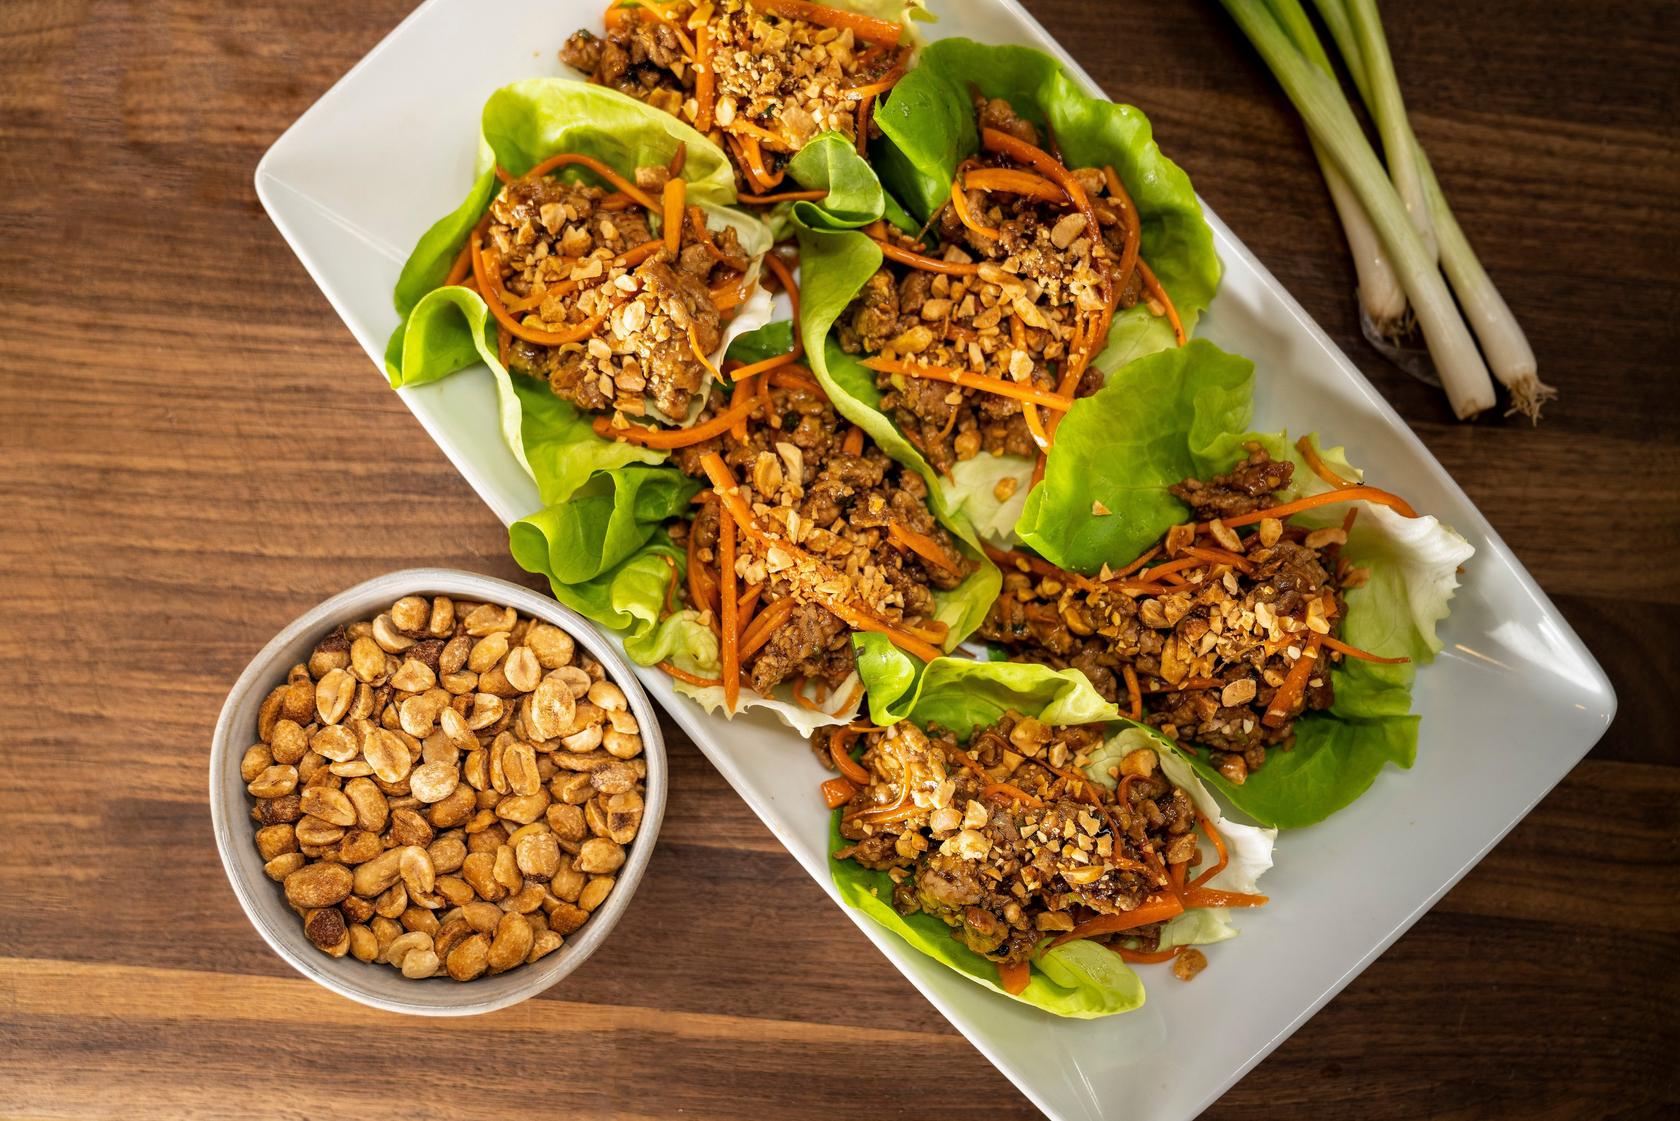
(1318,97)
(1382,299)
(1503,342)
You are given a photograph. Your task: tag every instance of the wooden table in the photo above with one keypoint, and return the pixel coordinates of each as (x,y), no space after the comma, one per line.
(195,450)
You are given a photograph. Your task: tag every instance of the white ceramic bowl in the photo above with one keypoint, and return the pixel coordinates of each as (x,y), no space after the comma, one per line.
(381,986)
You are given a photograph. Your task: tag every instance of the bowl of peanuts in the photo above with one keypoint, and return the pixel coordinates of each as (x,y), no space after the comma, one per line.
(436,792)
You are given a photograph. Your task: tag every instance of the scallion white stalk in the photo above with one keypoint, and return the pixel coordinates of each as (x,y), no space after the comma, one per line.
(1504,344)
(1381,296)
(1330,120)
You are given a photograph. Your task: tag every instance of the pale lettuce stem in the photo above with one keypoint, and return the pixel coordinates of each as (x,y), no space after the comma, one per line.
(1319,100)
(1393,126)
(1503,342)
(1380,292)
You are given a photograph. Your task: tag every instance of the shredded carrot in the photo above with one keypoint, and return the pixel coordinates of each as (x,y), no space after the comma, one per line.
(923,546)
(1310,454)
(959,204)
(800,699)
(1152,957)
(773,616)
(1220,556)
(1218,847)
(1161,570)
(788,379)
(502,345)
(697,221)
(1341,647)
(926,264)
(968,379)
(1035,426)
(738,397)
(1288,695)
(490,286)
(675,197)
(630,258)
(860,126)
(996,140)
(462,265)
(1014,181)
(848,766)
(1154,286)
(1010,790)
(730,609)
(1014,976)
(693,679)
(1207,897)
(1133,692)
(1133,242)
(867,28)
(781,196)
(852,442)
(570,159)
(837,792)
(702,592)
(753,158)
(728,295)
(502,174)
(703,78)
(675,437)
(852,614)
(671,588)
(1158,908)
(1359,493)
(748,602)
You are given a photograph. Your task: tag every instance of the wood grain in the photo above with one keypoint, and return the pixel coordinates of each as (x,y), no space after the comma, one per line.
(195,450)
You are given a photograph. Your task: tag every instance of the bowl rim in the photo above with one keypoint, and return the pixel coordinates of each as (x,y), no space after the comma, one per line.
(267,911)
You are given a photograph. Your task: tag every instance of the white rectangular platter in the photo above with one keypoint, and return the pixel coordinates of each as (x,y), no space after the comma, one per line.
(1514,701)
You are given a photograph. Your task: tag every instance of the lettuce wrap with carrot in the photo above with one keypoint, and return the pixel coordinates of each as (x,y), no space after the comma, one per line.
(959,328)
(1108,500)
(1080,969)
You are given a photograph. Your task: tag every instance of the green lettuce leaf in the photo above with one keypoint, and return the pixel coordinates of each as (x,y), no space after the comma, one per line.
(960,694)
(523,124)
(1081,980)
(928,124)
(1157,420)
(831,163)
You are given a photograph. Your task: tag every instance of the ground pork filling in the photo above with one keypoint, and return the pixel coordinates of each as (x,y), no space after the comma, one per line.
(813,480)
(1016,317)
(644,324)
(777,82)
(1212,652)
(1006,840)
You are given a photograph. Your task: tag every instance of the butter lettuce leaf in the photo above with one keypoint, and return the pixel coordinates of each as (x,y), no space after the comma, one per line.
(1162,418)
(523,124)
(929,128)
(961,694)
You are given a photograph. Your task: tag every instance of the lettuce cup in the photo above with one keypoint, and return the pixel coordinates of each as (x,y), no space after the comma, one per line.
(761,78)
(1043,240)
(1005,820)
(1249,596)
